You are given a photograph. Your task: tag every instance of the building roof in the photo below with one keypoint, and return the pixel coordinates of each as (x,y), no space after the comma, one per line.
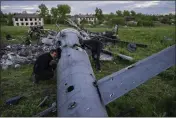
(26,16)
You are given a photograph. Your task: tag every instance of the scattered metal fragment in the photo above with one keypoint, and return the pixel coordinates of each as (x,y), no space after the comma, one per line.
(47,111)
(13,100)
(43,101)
(17,65)
(131,47)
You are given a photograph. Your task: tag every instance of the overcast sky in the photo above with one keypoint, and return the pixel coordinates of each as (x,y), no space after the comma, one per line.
(146,7)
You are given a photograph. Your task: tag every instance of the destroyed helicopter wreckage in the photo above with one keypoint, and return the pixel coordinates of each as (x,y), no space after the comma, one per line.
(16,54)
(105,37)
(76,82)
(73,90)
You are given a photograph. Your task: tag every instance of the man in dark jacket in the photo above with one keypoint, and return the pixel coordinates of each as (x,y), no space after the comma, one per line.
(95,46)
(45,65)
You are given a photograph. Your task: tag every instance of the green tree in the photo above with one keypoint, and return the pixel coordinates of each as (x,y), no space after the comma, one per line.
(3,18)
(139,23)
(63,10)
(154,18)
(133,13)
(116,20)
(54,14)
(126,13)
(147,23)
(165,20)
(119,13)
(43,11)
(9,19)
(99,15)
(48,19)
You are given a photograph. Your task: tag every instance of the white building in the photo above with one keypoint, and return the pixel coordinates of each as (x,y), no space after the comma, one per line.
(80,17)
(27,20)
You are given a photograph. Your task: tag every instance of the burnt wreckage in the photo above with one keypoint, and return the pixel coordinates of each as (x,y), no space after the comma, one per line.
(79,94)
(26,53)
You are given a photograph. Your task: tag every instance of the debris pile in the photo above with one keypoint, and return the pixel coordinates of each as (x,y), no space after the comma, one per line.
(14,55)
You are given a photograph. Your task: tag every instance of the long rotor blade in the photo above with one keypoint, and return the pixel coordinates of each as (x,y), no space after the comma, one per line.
(117,84)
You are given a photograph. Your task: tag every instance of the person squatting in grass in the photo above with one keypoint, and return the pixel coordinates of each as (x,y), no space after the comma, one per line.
(45,65)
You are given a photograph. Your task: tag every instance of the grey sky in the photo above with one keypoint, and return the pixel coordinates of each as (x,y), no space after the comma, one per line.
(146,7)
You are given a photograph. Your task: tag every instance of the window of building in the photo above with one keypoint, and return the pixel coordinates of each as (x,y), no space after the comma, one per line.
(21,19)
(16,19)
(39,19)
(27,24)
(35,23)
(39,23)
(35,19)
(17,24)
(22,24)
(25,19)
(31,24)
(30,19)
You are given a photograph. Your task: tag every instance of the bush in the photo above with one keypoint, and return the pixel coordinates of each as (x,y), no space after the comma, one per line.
(140,23)
(145,23)
(166,20)
(117,20)
(148,23)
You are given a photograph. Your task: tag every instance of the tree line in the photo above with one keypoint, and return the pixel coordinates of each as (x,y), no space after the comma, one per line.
(131,18)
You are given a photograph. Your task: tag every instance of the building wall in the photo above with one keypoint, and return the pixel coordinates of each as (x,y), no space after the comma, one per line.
(88,19)
(28,21)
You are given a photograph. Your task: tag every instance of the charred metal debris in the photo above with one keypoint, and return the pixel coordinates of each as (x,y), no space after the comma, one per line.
(26,53)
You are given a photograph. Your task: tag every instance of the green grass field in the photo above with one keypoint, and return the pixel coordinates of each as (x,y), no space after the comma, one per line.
(157,97)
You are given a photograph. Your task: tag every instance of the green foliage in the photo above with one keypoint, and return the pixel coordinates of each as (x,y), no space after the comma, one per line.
(166,20)
(6,19)
(117,20)
(148,23)
(119,13)
(63,10)
(54,14)
(126,13)
(48,19)
(145,23)
(43,11)
(3,19)
(140,23)
(99,15)
(133,13)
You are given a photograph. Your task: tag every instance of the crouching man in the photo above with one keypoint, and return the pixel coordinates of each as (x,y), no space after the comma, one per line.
(45,65)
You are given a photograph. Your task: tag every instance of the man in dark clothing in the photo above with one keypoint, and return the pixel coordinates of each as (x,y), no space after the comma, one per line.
(45,65)
(95,46)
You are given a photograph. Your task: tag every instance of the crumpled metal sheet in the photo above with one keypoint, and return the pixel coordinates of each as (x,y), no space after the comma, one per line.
(106,57)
